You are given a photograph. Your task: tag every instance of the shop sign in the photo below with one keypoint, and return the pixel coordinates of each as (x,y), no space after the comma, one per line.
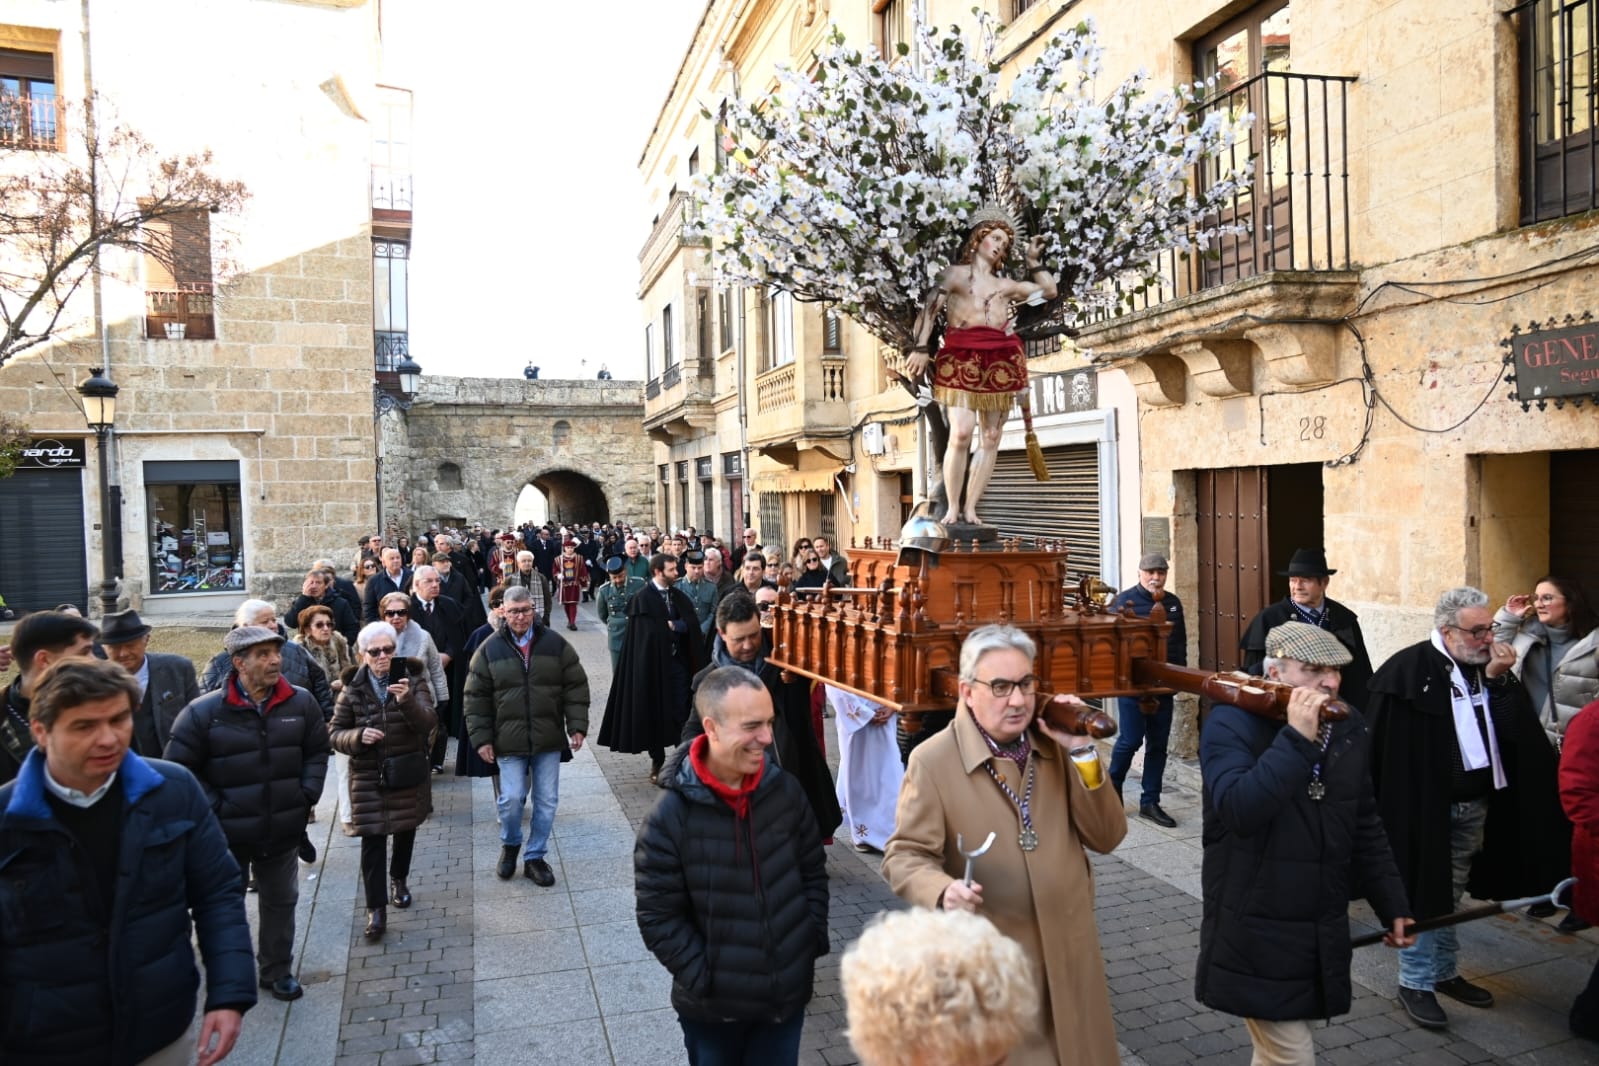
(51,453)
(1061,393)
(1558,363)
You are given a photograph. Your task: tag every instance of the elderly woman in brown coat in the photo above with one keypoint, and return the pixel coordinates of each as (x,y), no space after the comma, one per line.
(382,721)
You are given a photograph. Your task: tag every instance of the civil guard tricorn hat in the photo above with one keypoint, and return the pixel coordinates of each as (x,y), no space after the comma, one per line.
(1307,562)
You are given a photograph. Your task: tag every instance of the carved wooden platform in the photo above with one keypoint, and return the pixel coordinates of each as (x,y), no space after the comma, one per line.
(894,635)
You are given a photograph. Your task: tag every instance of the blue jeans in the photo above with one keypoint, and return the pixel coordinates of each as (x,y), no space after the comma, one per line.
(518,773)
(1432,959)
(1151,730)
(743,1043)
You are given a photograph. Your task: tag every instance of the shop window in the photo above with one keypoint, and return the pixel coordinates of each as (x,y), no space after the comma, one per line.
(196,526)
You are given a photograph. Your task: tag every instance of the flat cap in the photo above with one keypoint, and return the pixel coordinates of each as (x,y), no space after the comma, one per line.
(1153,561)
(246,637)
(1306,643)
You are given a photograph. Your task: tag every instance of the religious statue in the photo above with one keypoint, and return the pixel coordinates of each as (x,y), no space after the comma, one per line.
(979,369)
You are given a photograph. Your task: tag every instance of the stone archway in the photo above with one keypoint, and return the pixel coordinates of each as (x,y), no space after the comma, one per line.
(572,497)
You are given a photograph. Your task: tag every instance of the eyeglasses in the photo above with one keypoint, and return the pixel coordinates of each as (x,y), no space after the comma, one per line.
(1548,597)
(372,567)
(764,607)
(1002,687)
(518,610)
(1476,632)
(811,559)
(401,613)
(378,653)
(321,625)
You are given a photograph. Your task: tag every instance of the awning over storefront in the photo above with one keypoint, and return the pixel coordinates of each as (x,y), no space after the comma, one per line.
(820,480)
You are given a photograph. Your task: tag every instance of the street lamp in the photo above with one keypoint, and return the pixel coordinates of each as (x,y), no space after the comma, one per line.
(100,410)
(410,372)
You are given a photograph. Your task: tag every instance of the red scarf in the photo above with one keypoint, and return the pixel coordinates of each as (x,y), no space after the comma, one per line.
(736,798)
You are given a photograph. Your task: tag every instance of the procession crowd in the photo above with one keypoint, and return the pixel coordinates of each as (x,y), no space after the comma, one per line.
(142,799)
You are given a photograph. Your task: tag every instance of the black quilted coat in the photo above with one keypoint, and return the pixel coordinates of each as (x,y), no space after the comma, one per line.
(735,908)
(260,772)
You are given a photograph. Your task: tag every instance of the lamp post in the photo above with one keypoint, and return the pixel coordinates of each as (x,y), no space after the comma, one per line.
(100,410)
(384,401)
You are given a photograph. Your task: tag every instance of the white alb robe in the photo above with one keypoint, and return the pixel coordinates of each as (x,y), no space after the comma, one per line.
(869,770)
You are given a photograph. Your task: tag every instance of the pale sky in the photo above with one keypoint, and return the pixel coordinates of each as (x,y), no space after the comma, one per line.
(529,208)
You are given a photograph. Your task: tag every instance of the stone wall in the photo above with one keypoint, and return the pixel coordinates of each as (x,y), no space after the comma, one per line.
(581,442)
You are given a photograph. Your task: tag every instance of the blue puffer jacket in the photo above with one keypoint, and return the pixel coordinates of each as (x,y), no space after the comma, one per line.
(74,989)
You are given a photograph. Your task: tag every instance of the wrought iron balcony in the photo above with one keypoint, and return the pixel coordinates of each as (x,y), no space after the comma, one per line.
(184,313)
(1295,209)
(29,121)
(390,347)
(391,189)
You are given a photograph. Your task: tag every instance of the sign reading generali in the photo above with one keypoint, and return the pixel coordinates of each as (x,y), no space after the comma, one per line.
(1556,362)
(54,453)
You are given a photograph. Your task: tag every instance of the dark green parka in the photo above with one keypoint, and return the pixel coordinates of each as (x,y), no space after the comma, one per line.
(526,708)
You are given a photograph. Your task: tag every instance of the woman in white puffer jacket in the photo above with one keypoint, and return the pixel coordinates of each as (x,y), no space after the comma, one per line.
(1556,636)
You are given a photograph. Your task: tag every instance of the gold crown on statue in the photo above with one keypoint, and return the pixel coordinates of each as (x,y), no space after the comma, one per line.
(990,211)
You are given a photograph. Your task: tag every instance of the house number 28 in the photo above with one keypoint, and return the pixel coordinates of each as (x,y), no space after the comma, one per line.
(1313,428)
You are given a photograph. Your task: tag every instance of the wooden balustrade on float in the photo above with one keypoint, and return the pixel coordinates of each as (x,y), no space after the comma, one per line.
(894,634)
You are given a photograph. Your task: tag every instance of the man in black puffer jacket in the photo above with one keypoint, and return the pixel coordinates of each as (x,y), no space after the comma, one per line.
(731,883)
(260,749)
(1291,835)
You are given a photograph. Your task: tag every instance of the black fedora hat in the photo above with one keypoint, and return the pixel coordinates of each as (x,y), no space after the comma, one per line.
(1307,562)
(122,627)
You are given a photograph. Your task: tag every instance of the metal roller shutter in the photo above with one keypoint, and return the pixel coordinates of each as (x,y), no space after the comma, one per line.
(42,563)
(1064,507)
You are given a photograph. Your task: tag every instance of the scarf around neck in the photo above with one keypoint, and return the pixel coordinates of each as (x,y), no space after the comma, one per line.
(1465,704)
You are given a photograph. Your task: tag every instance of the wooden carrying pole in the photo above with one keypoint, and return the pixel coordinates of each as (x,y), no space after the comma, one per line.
(1257,695)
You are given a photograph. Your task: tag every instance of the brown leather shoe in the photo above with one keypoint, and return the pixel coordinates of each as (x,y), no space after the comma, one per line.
(399,895)
(376,922)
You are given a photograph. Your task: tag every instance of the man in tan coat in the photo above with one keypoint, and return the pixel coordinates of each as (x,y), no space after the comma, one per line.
(997,770)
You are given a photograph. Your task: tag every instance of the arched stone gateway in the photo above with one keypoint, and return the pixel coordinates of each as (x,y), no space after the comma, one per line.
(467,446)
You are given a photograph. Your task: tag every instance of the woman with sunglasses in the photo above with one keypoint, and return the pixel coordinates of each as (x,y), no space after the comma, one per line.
(802,548)
(415,642)
(365,572)
(811,574)
(384,715)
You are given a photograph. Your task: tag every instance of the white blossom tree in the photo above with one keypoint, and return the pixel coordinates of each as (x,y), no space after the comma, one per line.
(852,183)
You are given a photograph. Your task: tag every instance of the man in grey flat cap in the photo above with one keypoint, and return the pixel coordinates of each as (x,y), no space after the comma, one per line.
(259,747)
(1138,728)
(1291,826)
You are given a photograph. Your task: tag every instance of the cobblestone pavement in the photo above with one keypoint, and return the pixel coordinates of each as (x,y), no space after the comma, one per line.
(560,975)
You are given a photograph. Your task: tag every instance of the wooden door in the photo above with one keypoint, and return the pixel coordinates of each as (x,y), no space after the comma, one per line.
(1234,575)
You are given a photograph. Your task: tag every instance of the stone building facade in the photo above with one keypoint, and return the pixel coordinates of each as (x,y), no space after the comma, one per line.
(1420,227)
(467,446)
(243,443)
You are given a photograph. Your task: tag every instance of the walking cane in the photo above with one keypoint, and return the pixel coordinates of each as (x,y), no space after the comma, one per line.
(1487,910)
(960,846)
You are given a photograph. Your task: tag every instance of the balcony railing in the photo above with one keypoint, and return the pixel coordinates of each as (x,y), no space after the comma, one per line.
(391,189)
(671,376)
(652,388)
(775,389)
(1296,207)
(29,121)
(390,347)
(833,380)
(180,314)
